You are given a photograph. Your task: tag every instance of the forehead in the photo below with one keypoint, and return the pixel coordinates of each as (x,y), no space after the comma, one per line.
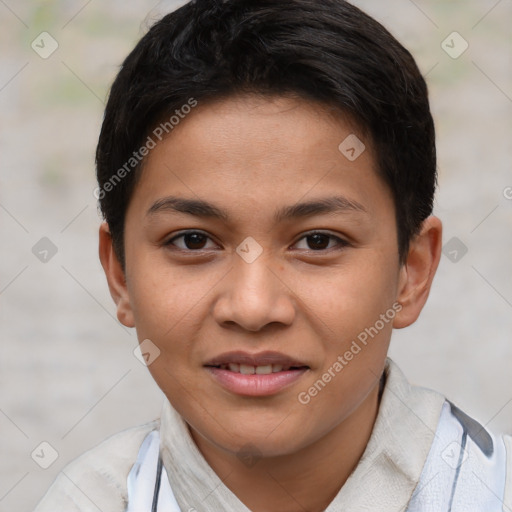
(262,152)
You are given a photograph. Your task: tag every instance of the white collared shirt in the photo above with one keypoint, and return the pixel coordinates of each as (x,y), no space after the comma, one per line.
(407,429)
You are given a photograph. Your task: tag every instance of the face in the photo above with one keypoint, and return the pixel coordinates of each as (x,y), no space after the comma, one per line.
(263,264)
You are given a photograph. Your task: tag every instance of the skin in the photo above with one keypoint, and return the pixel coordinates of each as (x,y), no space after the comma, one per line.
(305,298)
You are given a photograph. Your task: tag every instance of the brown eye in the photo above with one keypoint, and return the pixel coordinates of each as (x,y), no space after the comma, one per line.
(191,240)
(321,241)
(318,241)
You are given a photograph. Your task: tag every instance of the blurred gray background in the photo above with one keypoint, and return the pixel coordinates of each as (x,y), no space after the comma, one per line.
(68,376)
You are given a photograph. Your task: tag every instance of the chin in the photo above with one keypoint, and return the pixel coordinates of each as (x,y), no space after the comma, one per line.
(258,440)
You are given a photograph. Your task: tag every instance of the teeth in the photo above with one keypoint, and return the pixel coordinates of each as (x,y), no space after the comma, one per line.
(247,370)
(264,370)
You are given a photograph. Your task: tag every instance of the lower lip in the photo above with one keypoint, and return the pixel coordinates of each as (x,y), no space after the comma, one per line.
(255,385)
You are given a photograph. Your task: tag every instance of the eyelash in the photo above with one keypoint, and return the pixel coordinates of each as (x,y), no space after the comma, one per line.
(340,242)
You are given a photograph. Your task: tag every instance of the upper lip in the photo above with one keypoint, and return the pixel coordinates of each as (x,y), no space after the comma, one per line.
(258,359)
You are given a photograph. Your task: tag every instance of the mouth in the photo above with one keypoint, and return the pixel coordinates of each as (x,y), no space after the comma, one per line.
(263,374)
(246,369)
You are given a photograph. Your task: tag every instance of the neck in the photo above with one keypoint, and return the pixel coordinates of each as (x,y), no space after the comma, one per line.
(308,479)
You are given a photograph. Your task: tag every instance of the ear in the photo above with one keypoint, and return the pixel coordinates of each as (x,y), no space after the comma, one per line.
(417,273)
(115,277)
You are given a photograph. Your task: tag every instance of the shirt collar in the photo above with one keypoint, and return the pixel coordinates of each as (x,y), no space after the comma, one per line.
(384,478)
(402,435)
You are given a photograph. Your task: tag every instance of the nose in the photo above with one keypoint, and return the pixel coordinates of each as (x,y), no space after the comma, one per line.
(254,295)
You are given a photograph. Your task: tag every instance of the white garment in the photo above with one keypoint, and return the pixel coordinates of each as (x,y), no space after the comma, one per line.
(465,471)
(385,479)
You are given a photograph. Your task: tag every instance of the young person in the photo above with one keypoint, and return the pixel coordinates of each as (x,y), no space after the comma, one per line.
(266,172)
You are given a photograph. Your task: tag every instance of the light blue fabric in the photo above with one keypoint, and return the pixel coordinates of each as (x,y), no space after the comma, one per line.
(465,470)
(143,477)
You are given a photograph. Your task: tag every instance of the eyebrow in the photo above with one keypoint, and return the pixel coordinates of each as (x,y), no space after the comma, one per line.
(204,209)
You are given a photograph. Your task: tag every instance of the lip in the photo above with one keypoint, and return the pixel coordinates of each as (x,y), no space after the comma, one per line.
(255,384)
(258,359)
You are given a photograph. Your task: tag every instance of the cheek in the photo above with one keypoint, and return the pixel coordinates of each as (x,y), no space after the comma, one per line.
(352,296)
(164,299)
(170,309)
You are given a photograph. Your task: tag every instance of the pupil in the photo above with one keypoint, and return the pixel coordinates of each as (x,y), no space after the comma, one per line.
(192,240)
(318,241)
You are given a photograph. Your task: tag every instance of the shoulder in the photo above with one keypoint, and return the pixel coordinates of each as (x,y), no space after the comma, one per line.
(465,464)
(97,479)
(468,467)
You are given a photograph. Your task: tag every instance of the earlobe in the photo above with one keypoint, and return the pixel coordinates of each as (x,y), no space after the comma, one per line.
(115,277)
(417,273)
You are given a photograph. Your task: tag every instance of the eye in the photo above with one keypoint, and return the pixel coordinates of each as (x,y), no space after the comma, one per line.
(191,240)
(197,241)
(318,241)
